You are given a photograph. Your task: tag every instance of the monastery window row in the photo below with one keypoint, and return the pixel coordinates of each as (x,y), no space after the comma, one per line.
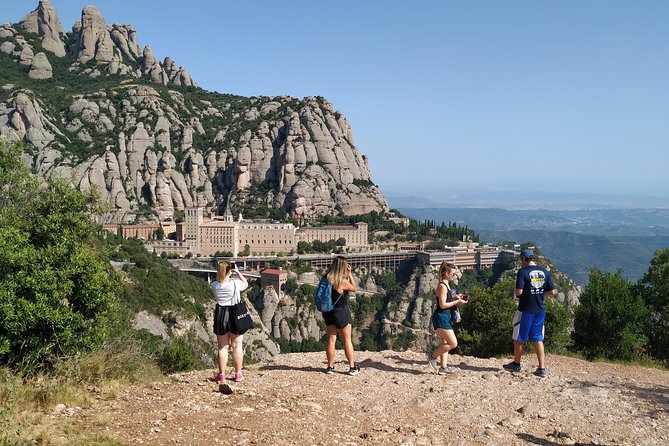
(279,242)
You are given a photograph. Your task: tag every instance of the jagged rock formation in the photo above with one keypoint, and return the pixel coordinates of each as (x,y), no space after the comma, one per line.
(44,22)
(275,313)
(129,128)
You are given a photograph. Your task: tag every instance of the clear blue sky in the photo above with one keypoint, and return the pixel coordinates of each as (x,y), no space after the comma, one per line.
(562,96)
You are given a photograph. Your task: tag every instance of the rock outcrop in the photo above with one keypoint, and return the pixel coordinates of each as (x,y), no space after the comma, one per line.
(148,142)
(40,68)
(44,22)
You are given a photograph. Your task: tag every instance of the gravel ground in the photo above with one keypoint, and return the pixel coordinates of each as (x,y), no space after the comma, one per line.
(397,399)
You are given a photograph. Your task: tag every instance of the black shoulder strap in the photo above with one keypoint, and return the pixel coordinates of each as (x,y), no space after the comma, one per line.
(340,296)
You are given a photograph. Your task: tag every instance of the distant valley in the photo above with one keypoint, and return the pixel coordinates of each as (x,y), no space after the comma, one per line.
(575,240)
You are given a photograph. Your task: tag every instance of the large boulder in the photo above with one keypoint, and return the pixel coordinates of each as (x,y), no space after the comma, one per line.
(40,68)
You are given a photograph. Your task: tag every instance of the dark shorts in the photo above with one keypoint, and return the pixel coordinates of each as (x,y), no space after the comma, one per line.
(223,323)
(340,317)
(442,319)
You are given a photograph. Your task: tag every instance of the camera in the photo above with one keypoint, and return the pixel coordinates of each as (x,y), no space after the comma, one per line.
(233,265)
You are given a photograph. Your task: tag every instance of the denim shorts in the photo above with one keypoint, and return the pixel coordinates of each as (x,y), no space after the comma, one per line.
(442,319)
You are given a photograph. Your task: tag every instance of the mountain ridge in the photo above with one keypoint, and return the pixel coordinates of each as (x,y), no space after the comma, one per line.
(108,115)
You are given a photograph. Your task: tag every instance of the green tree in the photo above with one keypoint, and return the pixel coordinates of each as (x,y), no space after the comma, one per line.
(486,321)
(654,287)
(17,187)
(57,288)
(558,325)
(610,321)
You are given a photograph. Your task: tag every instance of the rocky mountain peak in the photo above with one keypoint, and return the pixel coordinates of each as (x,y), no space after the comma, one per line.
(44,22)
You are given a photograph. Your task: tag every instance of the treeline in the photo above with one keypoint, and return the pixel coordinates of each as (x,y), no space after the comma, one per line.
(448,231)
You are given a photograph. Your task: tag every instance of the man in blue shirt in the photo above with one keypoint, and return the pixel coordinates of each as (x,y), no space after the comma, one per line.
(532,284)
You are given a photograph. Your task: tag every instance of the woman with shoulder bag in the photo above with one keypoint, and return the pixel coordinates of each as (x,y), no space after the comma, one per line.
(228,333)
(447,300)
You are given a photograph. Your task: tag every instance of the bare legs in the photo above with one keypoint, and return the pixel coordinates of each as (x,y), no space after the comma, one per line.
(517,351)
(345,334)
(538,349)
(224,343)
(448,343)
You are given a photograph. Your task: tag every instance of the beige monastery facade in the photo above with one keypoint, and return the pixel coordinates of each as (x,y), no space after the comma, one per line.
(207,235)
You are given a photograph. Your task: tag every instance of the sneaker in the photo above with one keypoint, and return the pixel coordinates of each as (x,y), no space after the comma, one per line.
(512,367)
(220,378)
(329,370)
(540,372)
(354,370)
(445,370)
(239,377)
(432,361)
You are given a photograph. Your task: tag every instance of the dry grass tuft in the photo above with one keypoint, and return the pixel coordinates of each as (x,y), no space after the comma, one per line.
(42,409)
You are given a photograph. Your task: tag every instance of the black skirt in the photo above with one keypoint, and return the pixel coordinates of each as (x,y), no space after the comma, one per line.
(223,323)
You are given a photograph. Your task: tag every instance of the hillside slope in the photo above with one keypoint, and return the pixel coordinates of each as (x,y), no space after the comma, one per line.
(397,399)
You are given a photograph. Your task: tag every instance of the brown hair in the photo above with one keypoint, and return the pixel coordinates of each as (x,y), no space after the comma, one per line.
(222,270)
(446,267)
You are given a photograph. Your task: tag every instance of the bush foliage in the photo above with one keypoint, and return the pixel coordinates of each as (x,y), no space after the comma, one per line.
(611,320)
(654,287)
(57,288)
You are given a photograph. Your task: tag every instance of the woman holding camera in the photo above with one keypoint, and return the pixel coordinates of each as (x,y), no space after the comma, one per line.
(447,300)
(227,293)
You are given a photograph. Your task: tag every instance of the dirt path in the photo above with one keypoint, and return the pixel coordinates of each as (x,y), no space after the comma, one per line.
(397,399)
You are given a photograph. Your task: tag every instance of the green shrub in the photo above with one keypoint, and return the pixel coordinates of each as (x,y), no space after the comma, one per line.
(57,288)
(486,324)
(404,341)
(558,326)
(178,356)
(157,286)
(611,319)
(307,345)
(654,288)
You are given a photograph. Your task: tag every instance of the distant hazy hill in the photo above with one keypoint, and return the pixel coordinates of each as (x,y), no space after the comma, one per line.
(575,241)
(575,254)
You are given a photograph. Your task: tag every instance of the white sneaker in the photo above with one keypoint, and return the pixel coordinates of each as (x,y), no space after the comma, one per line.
(432,361)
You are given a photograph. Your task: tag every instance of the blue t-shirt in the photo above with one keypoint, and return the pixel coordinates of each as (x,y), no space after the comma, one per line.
(534,281)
